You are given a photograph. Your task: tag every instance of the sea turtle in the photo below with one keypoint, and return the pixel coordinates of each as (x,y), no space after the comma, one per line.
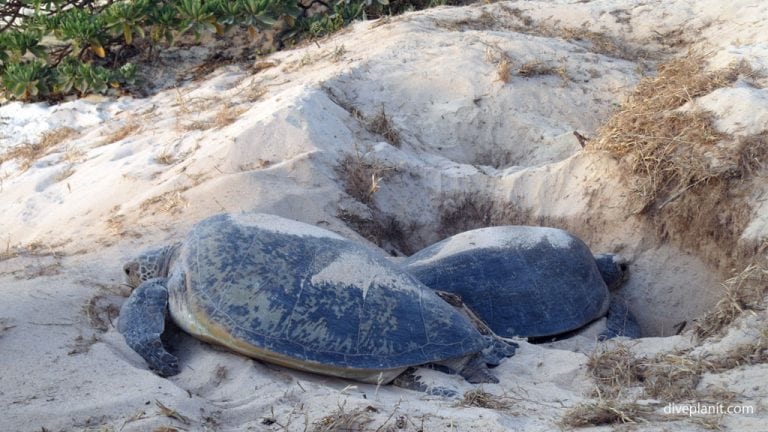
(528,281)
(299,296)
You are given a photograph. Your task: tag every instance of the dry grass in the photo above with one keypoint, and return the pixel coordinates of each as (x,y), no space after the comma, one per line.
(381,124)
(101,312)
(34,249)
(195,125)
(342,420)
(48,260)
(82,345)
(171,202)
(255,93)
(338,53)
(116,225)
(485,21)
(464,212)
(57,136)
(128,129)
(361,177)
(73,154)
(600,43)
(605,412)
(503,68)
(26,154)
(182,101)
(257,165)
(671,377)
(226,116)
(306,60)
(517,21)
(684,182)
(385,231)
(537,68)
(614,370)
(165,158)
(172,413)
(744,291)
(496,56)
(261,66)
(482,399)
(743,355)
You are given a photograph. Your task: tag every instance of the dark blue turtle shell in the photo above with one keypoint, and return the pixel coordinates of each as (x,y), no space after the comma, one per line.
(523,281)
(294,290)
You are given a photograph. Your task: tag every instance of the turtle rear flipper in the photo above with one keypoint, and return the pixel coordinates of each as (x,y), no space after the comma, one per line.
(142,322)
(411,381)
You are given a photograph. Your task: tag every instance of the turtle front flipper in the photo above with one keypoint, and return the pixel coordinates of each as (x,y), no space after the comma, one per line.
(142,322)
(498,349)
(620,322)
(475,371)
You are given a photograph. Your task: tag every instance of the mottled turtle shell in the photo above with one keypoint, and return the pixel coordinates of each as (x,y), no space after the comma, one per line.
(523,281)
(301,296)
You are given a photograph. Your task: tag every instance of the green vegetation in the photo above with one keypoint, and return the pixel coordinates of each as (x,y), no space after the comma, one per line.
(53,48)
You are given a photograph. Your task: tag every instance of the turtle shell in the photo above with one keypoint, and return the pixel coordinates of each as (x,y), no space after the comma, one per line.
(303,297)
(522,280)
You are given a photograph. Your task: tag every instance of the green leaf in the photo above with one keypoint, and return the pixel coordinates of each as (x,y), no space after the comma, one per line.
(127,18)
(127,74)
(18,43)
(83,29)
(266,20)
(197,18)
(26,80)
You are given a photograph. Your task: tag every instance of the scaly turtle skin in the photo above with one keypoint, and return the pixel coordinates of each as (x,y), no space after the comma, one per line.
(298,296)
(527,281)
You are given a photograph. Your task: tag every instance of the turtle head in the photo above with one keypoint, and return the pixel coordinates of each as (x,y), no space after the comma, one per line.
(150,264)
(614,269)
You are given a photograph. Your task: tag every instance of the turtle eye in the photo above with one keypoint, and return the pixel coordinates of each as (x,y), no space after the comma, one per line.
(623,267)
(131,270)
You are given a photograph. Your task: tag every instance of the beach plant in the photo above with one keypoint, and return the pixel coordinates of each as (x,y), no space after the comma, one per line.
(261,14)
(15,44)
(82,29)
(85,78)
(127,18)
(163,23)
(198,17)
(50,49)
(26,80)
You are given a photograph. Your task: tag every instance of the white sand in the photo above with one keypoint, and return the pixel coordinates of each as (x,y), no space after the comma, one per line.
(80,211)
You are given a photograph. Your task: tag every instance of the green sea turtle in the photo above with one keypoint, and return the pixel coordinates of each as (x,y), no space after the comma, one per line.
(298,296)
(528,281)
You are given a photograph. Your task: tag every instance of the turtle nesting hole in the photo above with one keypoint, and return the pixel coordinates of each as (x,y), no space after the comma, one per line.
(668,290)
